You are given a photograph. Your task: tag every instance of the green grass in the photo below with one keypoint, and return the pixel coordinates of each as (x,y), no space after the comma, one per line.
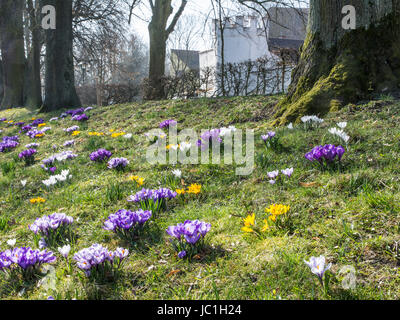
(350,215)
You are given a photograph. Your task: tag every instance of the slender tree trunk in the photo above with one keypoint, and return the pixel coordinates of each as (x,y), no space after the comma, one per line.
(158,48)
(33,88)
(60,89)
(12,50)
(339,66)
(159,32)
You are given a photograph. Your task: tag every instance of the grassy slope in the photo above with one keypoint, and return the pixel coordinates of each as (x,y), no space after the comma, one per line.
(349,216)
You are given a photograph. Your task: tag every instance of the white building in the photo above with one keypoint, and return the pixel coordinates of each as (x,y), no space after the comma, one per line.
(258,55)
(247,39)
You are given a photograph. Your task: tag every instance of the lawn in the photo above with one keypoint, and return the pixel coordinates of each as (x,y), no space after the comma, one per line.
(348,213)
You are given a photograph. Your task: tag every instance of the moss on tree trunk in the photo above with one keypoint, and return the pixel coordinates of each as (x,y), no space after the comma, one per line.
(337,66)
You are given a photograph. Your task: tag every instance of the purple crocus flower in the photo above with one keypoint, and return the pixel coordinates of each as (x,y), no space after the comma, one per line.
(327,152)
(126,220)
(268,136)
(288,172)
(117,163)
(100,155)
(182,254)
(80,117)
(28,155)
(168,123)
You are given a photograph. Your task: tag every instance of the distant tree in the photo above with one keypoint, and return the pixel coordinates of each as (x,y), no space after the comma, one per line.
(12,51)
(159,33)
(60,89)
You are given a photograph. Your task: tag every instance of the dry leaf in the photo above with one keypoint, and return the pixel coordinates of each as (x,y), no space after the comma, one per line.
(309,184)
(173,272)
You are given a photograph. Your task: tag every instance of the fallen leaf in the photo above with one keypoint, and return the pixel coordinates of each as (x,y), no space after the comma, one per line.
(173,272)
(309,184)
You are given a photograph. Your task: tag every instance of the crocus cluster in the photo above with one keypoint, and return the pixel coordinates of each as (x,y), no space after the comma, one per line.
(33,133)
(26,258)
(80,117)
(12,138)
(127,223)
(268,136)
(32,145)
(98,262)
(188,237)
(74,112)
(26,128)
(36,122)
(100,155)
(208,136)
(63,176)
(117,163)
(325,154)
(310,119)
(28,155)
(69,143)
(62,156)
(7,145)
(153,200)
(340,133)
(271,141)
(53,228)
(71,129)
(168,123)
(273,175)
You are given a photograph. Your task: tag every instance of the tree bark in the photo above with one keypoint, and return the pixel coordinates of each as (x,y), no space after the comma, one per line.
(60,89)
(12,50)
(33,88)
(339,66)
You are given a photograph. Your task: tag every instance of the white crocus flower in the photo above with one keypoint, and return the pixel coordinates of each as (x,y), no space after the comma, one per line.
(177,173)
(64,251)
(342,125)
(12,242)
(185,146)
(317,266)
(290,126)
(128,136)
(23,182)
(273,174)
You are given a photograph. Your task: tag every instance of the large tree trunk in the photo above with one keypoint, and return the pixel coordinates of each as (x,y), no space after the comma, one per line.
(60,89)
(12,50)
(33,89)
(1,81)
(339,66)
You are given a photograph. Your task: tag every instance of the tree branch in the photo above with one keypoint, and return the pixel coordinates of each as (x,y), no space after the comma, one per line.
(176,18)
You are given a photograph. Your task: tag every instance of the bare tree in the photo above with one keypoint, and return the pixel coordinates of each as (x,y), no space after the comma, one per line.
(159,33)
